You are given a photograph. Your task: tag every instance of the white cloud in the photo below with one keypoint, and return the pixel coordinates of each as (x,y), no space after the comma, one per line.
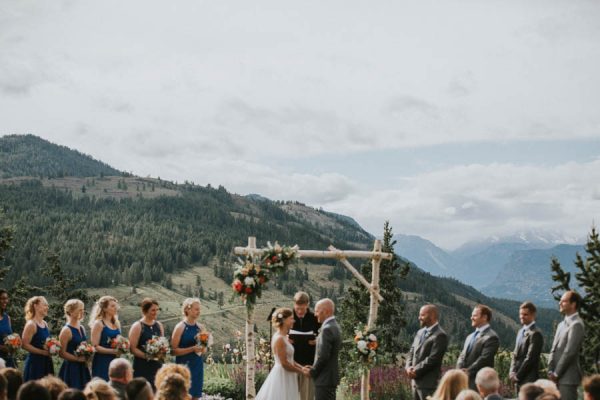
(469,202)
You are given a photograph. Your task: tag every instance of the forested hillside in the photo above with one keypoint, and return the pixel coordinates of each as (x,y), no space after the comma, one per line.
(28,155)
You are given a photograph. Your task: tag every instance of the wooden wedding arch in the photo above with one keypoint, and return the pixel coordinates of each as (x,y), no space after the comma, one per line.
(331,253)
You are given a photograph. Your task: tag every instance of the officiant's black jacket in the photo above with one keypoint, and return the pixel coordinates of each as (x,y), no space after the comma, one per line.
(304,353)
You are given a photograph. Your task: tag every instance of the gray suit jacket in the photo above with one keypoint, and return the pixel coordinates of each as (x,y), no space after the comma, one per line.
(325,370)
(564,355)
(427,357)
(481,355)
(525,363)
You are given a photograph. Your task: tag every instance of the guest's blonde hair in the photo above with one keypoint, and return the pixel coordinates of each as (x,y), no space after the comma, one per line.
(54,385)
(169,369)
(452,383)
(99,310)
(30,306)
(98,389)
(172,387)
(72,305)
(188,303)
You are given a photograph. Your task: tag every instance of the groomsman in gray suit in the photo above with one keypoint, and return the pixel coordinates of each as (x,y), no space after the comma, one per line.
(325,370)
(480,346)
(424,364)
(563,366)
(525,364)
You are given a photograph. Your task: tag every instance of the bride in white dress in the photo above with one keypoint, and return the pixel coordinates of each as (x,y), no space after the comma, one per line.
(282,382)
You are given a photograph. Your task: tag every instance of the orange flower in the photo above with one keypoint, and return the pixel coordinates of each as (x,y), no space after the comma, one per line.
(372,345)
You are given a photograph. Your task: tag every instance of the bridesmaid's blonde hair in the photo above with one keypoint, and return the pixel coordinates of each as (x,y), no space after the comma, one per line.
(30,306)
(99,311)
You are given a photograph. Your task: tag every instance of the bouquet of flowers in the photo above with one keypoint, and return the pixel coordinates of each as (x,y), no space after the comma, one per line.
(204,340)
(52,345)
(157,348)
(120,344)
(366,345)
(277,257)
(12,343)
(85,349)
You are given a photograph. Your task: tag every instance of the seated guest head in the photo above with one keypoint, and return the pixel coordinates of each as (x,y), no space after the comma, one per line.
(548,396)
(530,391)
(14,380)
(120,370)
(3,387)
(468,394)
(98,389)
(139,389)
(171,368)
(301,302)
(72,394)
(487,381)
(548,386)
(591,387)
(33,390)
(173,386)
(54,385)
(452,383)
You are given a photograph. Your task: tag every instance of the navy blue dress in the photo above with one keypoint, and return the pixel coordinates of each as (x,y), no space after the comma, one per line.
(36,365)
(101,361)
(5,330)
(193,361)
(75,374)
(146,368)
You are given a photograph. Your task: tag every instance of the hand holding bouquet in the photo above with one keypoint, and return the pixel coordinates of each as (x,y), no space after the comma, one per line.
(204,339)
(85,350)
(12,343)
(120,344)
(157,348)
(52,345)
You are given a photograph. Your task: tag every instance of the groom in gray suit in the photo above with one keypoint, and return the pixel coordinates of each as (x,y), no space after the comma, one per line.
(325,370)
(480,346)
(563,366)
(424,364)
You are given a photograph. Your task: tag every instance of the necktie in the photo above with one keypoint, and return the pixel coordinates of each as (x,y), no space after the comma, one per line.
(472,341)
(520,336)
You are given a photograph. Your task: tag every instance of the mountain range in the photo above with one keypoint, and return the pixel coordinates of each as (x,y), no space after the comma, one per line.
(113,229)
(515,267)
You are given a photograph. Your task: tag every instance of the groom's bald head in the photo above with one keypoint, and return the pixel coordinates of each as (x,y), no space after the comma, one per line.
(324,309)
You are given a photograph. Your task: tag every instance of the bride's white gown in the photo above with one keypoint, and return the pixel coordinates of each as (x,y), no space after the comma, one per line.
(280,384)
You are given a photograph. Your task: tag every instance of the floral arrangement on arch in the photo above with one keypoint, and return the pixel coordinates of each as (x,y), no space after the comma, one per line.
(365,347)
(251,275)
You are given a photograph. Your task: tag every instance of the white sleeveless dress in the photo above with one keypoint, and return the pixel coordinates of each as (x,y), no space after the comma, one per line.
(280,384)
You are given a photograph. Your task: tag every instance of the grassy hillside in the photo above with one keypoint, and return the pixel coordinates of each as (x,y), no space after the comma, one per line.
(28,155)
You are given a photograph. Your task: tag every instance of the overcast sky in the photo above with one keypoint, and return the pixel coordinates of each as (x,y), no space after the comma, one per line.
(455,119)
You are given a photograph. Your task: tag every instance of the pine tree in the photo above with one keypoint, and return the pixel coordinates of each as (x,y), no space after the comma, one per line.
(354,307)
(6,237)
(588,279)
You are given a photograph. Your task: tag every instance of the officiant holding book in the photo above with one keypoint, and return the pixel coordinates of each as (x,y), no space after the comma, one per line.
(303,338)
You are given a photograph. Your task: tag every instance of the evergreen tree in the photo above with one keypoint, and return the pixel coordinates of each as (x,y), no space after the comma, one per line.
(354,307)
(6,237)
(588,279)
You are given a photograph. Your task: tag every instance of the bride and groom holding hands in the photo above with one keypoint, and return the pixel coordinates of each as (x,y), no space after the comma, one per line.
(292,377)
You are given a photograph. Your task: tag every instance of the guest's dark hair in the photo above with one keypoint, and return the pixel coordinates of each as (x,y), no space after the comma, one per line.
(529,306)
(14,380)
(485,310)
(33,390)
(575,297)
(72,394)
(530,391)
(138,389)
(147,304)
(3,384)
(591,385)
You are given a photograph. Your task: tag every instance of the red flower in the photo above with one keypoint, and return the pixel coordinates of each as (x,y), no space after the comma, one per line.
(248,290)
(237,286)
(274,259)
(262,279)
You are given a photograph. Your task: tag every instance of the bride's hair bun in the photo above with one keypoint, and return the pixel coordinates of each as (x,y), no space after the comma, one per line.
(280,315)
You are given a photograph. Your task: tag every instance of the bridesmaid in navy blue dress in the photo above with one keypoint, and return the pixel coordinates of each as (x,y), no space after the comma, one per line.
(38,362)
(140,332)
(5,329)
(105,326)
(185,346)
(74,370)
